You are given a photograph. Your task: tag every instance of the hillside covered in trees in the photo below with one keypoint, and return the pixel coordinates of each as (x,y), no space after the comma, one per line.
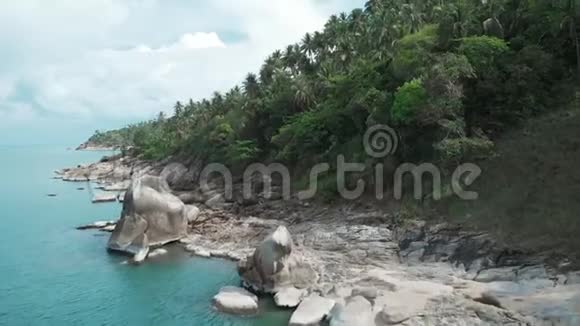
(451,76)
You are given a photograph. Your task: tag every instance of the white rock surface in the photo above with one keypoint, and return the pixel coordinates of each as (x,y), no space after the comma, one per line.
(120,186)
(158,252)
(356,312)
(109,228)
(289,297)
(104,198)
(236,301)
(191,213)
(311,311)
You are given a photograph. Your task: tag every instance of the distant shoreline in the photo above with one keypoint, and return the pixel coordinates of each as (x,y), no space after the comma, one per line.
(95,148)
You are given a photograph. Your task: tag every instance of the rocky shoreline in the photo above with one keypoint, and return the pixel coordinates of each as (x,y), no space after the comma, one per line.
(353,263)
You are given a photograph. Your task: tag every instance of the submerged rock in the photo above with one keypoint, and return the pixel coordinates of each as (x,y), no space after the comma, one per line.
(274,265)
(151,216)
(237,301)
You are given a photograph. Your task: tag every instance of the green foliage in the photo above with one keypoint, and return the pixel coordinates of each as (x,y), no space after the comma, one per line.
(414,52)
(242,151)
(453,151)
(483,51)
(422,65)
(409,98)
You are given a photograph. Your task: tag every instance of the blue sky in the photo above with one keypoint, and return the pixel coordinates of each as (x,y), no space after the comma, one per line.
(68,67)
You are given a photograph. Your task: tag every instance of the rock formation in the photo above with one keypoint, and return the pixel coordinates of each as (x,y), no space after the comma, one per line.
(274,265)
(151,216)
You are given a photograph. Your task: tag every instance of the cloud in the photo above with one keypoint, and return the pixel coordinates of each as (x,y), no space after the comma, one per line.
(189,41)
(124,60)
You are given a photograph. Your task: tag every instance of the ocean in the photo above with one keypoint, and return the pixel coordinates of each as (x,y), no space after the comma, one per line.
(53,274)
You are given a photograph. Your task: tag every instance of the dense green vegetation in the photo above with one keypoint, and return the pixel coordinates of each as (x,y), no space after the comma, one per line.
(449,75)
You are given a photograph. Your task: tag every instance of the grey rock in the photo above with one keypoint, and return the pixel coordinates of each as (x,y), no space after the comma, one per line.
(311,311)
(191,213)
(493,27)
(158,252)
(216,201)
(233,300)
(532,273)
(104,198)
(367,292)
(120,186)
(198,251)
(289,297)
(274,265)
(97,225)
(151,216)
(356,312)
(504,274)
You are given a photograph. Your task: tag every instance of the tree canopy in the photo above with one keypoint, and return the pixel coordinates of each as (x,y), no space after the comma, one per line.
(449,75)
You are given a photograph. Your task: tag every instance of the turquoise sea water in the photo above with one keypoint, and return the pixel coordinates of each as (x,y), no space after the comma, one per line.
(52,274)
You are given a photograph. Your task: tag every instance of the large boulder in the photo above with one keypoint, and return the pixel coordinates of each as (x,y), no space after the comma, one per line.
(275,265)
(151,216)
(493,27)
(237,301)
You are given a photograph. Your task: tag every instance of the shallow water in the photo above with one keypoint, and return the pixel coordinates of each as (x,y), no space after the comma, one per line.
(52,274)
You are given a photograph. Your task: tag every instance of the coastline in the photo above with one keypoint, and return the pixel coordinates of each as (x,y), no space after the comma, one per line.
(445,273)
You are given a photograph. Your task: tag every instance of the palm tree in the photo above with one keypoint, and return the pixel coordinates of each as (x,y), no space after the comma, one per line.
(267,70)
(373,6)
(412,17)
(308,46)
(303,93)
(292,58)
(251,86)
(319,44)
(178,109)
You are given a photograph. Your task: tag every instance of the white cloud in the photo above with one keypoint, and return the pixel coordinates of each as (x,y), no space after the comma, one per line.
(188,41)
(127,59)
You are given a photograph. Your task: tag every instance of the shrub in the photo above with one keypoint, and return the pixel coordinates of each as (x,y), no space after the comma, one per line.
(414,52)
(408,100)
(458,150)
(483,51)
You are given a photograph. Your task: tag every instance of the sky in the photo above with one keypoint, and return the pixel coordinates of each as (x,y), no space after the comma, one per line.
(69,67)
